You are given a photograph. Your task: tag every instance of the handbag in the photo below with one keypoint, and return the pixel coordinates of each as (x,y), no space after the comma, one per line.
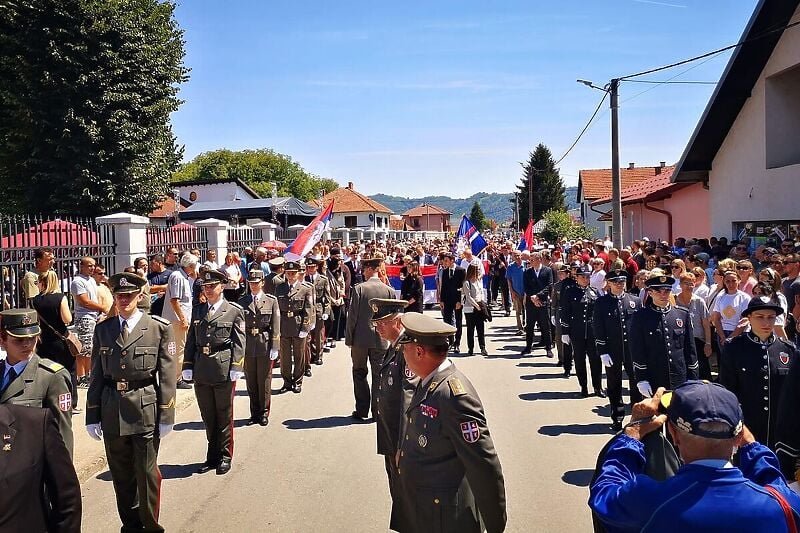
(74,345)
(791,525)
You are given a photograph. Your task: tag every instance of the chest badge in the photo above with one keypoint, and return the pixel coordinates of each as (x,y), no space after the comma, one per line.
(390,381)
(679,322)
(409,374)
(470,431)
(784,357)
(423,440)
(6,443)
(632,304)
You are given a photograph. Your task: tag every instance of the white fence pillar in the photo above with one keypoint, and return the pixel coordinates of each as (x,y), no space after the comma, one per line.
(217,235)
(345,237)
(268,230)
(130,234)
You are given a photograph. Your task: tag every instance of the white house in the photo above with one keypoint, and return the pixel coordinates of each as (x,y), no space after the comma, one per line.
(353,210)
(214,190)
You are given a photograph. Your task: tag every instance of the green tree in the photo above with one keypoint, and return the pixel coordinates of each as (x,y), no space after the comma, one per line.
(86,92)
(559,225)
(477,217)
(259,169)
(540,173)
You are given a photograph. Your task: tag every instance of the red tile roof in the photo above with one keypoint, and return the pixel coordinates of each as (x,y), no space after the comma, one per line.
(650,190)
(165,209)
(596,183)
(425,209)
(349,201)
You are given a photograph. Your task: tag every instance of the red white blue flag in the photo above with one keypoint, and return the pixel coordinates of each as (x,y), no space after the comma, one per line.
(309,236)
(526,243)
(468,235)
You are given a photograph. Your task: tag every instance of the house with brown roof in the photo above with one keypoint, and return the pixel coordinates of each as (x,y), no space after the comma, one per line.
(594,184)
(427,217)
(354,210)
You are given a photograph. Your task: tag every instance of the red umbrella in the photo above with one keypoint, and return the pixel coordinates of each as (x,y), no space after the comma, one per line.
(52,233)
(274,245)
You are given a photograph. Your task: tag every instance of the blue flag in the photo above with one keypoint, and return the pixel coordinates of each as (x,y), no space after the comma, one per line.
(469,234)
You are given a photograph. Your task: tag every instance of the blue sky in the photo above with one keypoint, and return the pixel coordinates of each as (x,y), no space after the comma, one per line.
(445,97)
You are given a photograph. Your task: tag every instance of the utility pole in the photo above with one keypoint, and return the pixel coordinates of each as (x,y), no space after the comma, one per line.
(616,179)
(530,195)
(516,209)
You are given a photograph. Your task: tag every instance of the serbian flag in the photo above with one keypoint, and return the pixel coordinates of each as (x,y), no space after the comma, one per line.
(526,243)
(309,236)
(469,234)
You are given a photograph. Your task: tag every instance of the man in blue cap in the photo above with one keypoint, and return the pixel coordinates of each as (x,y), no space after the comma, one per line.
(706,494)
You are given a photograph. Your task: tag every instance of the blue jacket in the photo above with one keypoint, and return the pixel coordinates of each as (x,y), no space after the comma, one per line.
(697,498)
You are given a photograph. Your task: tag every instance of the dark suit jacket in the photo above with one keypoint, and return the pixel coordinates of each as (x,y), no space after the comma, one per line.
(450,289)
(33,456)
(538,285)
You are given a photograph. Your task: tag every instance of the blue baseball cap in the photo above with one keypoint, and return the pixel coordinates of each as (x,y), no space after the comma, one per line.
(695,402)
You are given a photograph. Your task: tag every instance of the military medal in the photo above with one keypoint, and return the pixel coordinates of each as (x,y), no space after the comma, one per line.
(408,373)
(390,380)
(423,440)
(6,443)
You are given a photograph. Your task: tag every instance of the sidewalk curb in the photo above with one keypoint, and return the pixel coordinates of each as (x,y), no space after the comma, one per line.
(99,462)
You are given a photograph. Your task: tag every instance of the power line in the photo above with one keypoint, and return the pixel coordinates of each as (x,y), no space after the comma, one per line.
(665,82)
(681,73)
(586,127)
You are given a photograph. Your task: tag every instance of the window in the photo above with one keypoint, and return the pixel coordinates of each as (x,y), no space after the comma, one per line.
(783,118)
(351,221)
(416,222)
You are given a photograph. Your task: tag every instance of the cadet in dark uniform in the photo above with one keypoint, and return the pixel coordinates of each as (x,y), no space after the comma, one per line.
(396,386)
(262,321)
(322,305)
(449,471)
(787,431)
(296,302)
(556,290)
(612,315)
(130,403)
(754,366)
(577,310)
(214,360)
(662,343)
(30,380)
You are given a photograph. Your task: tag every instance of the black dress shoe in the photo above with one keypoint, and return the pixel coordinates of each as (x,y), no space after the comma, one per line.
(285,388)
(224,467)
(539,345)
(456,349)
(616,425)
(252,421)
(264,421)
(470,353)
(525,351)
(307,373)
(297,389)
(182,385)
(356,416)
(205,467)
(584,393)
(567,373)
(600,393)
(484,352)
(318,361)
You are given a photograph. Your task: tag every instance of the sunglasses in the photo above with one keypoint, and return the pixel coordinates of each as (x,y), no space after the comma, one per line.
(743,268)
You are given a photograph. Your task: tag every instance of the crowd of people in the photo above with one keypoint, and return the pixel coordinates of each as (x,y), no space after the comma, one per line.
(661,314)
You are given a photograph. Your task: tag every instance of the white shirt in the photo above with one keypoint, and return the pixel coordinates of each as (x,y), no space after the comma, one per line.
(132,321)
(213,308)
(446,363)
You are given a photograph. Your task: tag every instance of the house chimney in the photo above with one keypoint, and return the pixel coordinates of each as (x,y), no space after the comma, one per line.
(631,165)
(663,164)
(350,185)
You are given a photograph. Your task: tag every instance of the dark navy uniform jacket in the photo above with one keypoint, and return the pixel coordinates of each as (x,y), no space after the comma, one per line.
(612,316)
(662,347)
(756,373)
(577,309)
(787,432)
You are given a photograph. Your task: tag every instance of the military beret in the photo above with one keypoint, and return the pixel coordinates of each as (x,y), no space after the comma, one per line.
(660,282)
(20,322)
(256,275)
(291,266)
(425,330)
(386,307)
(277,262)
(616,275)
(126,282)
(212,277)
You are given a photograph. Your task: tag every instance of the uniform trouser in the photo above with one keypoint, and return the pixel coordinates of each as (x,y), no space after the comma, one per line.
(519,309)
(293,360)
(614,387)
(315,337)
(581,349)
(540,315)
(453,316)
(361,388)
(702,361)
(397,518)
(566,354)
(180,345)
(559,345)
(500,286)
(132,461)
(258,376)
(474,323)
(216,410)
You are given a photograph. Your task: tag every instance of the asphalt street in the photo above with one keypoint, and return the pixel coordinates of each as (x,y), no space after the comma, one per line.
(314,469)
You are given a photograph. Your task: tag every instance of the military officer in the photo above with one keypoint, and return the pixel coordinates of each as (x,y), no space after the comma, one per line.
(556,289)
(754,366)
(30,380)
(449,471)
(396,386)
(577,309)
(214,360)
(275,271)
(262,330)
(130,403)
(612,315)
(322,305)
(661,341)
(296,303)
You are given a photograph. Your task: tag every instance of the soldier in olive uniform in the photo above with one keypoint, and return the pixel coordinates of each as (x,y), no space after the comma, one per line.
(396,386)
(322,304)
(262,329)
(29,380)
(214,360)
(130,403)
(449,471)
(275,271)
(296,303)
(577,308)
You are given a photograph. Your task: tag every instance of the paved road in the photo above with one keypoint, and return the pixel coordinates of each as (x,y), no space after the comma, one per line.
(313,469)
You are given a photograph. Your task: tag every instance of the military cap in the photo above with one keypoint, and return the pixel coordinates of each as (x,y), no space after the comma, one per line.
(277,262)
(695,402)
(20,322)
(563,268)
(291,266)
(126,282)
(335,252)
(762,303)
(617,274)
(425,330)
(660,282)
(373,262)
(449,255)
(256,275)
(576,265)
(310,261)
(584,270)
(386,307)
(212,277)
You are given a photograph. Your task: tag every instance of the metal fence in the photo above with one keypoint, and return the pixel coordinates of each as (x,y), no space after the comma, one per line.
(286,235)
(68,239)
(181,236)
(240,237)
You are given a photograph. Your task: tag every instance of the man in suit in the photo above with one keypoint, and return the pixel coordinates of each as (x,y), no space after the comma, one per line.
(40,488)
(30,380)
(131,400)
(537,280)
(262,319)
(322,305)
(452,279)
(214,360)
(296,303)
(364,342)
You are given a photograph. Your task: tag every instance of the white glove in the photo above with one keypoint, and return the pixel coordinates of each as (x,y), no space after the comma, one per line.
(164,430)
(606,360)
(645,389)
(273,354)
(187,375)
(565,339)
(553,320)
(303,334)
(94,431)
(235,374)
(324,316)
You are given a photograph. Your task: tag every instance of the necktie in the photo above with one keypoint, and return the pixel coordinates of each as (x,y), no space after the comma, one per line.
(124,331)
(12,374)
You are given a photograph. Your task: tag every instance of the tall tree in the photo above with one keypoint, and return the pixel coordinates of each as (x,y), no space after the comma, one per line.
(477,217)
(86,92)
(259,169)
(540,173)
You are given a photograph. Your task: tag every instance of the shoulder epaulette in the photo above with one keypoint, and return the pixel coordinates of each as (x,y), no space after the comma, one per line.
(456,387)
(268,295)
(52,366)
(160,319)
(788,343)
(236,306)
